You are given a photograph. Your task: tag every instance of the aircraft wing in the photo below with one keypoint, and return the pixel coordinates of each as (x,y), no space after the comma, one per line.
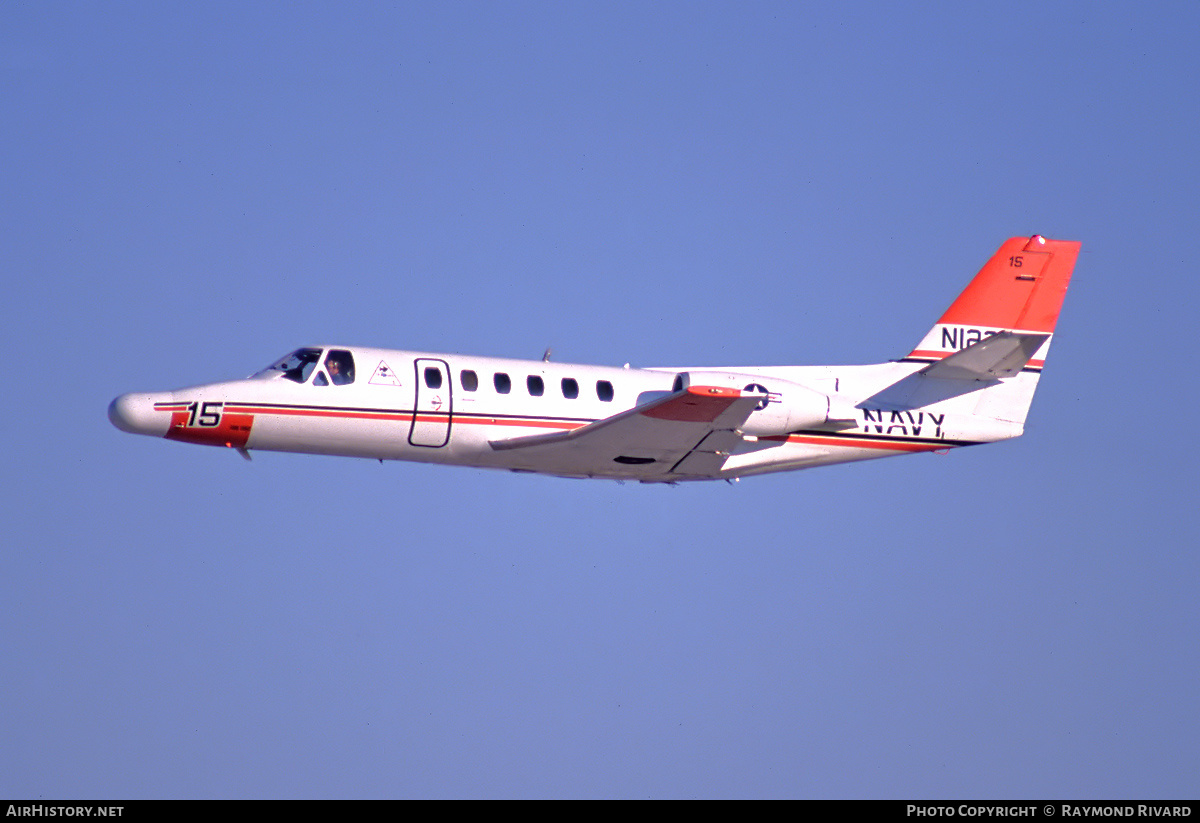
(688,432)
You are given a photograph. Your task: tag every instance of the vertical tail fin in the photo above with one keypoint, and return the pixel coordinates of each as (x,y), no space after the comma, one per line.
(1020,290)
(986,352)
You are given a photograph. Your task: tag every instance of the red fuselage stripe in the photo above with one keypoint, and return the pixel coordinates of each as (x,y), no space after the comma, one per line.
(840,441)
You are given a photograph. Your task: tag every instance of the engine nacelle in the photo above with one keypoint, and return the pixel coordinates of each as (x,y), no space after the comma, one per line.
(785,406)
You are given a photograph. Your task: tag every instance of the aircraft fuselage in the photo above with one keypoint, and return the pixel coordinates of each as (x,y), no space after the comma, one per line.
(444,408)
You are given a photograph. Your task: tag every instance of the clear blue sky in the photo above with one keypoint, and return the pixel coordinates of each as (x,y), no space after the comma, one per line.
(191,190)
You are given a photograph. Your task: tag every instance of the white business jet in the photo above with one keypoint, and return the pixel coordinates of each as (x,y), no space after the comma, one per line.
(970,380)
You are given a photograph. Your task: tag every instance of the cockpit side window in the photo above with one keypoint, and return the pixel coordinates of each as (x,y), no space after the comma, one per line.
(297,366)
(340,365)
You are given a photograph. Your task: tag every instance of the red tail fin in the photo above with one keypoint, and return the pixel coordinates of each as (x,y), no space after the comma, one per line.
(1020,289)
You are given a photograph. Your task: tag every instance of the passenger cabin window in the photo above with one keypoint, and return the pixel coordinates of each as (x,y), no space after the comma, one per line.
(536,387)
(502,382)
(340,365)
(570,388)
(433,377)
(604,390)
(470,380)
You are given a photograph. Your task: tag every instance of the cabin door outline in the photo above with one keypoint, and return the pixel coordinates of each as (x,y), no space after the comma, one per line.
(432,404)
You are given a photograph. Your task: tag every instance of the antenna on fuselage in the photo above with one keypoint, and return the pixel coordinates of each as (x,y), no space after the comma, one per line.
(546,354)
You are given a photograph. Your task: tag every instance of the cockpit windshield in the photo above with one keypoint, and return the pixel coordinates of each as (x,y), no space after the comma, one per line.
(296,366)
(338,367)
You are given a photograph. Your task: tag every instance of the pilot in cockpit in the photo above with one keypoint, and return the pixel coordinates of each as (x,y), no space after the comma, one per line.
(334,367)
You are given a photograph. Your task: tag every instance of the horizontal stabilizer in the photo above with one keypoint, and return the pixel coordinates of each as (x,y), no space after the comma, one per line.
(1002,354)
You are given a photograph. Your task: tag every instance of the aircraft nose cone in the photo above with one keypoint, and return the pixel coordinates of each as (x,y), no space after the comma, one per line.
(134,413)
